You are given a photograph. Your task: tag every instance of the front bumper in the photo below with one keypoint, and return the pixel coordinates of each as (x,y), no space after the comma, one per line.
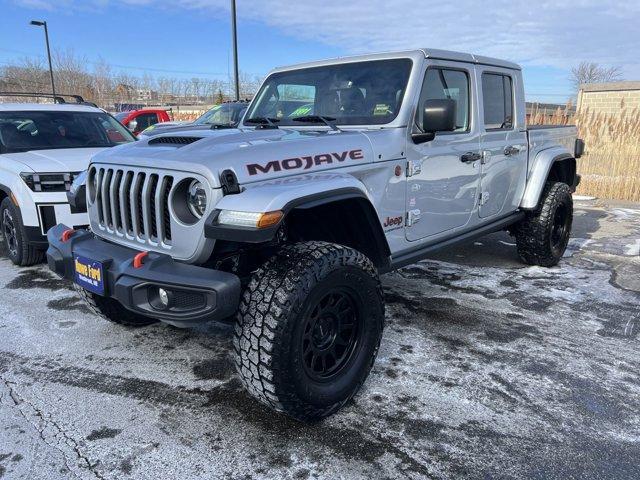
(198,294)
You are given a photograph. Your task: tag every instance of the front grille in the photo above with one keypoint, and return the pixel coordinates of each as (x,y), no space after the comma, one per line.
(134,204)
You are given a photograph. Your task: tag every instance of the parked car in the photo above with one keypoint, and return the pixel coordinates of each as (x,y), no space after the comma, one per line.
(43,148)
(138,120)
(287,221)
(224,115)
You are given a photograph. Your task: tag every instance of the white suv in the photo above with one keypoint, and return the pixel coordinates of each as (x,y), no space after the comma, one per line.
(43,148)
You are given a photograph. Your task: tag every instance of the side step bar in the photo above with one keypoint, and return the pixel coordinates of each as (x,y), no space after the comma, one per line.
(407,257)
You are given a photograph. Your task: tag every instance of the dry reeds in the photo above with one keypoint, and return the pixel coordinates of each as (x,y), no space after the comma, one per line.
(610,167)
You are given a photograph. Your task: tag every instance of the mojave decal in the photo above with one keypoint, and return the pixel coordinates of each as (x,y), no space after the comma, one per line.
(305,162)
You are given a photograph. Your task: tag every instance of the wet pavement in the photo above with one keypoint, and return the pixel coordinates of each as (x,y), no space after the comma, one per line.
(487,369)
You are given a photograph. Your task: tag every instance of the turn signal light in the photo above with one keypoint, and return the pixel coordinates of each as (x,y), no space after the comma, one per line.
(269,219)
(249,219)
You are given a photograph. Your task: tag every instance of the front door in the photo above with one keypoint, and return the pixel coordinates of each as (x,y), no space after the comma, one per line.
(443,174)
(504,145)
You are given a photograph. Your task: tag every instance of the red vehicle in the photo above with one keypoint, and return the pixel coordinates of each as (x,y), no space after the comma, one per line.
(138,120)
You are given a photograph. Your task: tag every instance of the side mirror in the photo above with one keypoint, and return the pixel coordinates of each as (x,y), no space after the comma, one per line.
(437,116)
(132,125)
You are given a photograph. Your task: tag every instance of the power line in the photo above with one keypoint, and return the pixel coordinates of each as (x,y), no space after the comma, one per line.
(132,67)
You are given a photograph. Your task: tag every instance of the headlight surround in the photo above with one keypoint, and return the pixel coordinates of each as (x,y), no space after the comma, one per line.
(78,181)
(249,219)
(197,198)
(49,182)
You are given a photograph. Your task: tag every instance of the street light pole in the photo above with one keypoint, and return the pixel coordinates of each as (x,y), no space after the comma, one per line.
(46,36)
(235,48)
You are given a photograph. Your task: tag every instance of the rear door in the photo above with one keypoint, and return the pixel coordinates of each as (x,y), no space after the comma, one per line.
(442,176)
(503,142)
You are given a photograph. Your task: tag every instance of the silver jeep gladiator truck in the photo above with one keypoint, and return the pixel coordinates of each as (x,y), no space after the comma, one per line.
(340,170)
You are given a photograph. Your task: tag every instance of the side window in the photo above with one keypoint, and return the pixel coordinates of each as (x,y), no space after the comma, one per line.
(442,83)
(145,120)
(497,95)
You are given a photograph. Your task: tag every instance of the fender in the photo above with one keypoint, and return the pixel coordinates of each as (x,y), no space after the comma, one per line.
(539,173)
(293,193)
(287,193)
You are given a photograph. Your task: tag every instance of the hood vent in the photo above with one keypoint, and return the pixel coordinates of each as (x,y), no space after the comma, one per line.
(180,141)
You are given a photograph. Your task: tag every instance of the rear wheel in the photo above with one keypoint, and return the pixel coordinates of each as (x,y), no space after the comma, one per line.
(19,251)
(308,329)
(112,310)
(542,237)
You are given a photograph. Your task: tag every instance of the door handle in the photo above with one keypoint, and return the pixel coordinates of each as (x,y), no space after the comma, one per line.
(511,150)
(470,157)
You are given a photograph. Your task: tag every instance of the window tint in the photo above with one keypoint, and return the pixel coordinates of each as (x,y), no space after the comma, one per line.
(497,94)
(440,84)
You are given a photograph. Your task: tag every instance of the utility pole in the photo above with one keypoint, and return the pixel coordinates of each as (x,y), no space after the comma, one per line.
(235,48)
(46,36)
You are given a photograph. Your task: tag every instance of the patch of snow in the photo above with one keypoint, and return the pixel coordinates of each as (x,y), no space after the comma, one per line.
(479,244)
(625,213)
(583,197)
(576,244)
(633,249)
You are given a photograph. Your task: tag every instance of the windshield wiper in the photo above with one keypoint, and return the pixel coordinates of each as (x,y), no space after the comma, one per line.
(318,119)
(219,126)
(263,122)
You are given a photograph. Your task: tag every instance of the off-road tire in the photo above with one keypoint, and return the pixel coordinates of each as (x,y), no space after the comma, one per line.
(535,234)
(111,310)
(278,304)
(24,254)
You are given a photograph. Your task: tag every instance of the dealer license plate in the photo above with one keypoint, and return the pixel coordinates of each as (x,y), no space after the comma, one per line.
(89,274)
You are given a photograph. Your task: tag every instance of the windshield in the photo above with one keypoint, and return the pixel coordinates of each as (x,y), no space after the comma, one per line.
(42,130)
(224,114)
(362,93)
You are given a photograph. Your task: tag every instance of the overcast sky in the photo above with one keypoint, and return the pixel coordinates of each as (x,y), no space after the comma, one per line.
(192,37)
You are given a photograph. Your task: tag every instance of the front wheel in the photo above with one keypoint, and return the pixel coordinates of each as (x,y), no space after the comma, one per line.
(308,328)
(19,251)
(542,237)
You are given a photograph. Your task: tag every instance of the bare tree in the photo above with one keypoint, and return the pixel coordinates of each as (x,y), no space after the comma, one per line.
(103,83)
(590,72)
(96,81)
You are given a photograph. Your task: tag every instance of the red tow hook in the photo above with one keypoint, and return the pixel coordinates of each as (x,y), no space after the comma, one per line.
(66,235)
(138,260)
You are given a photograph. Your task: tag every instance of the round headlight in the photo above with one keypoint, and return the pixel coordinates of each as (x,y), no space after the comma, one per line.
(197,198)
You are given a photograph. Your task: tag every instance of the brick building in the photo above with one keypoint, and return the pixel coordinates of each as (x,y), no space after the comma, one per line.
(609,98)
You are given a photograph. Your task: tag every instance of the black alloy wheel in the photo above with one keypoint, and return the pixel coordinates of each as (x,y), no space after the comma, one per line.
(331,335)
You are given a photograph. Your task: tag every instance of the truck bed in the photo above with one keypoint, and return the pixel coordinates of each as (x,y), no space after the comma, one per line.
(541,137)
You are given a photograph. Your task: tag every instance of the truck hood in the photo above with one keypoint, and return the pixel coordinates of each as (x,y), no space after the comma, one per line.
(253,154)
(54,160)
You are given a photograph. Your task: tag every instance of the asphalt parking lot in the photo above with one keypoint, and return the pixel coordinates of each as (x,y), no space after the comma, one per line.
(488,369)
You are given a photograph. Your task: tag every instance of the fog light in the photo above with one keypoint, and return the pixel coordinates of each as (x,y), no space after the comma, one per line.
(160,298)
(163,296)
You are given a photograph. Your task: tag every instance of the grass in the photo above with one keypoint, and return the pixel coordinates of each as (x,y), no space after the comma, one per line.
(610,167)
